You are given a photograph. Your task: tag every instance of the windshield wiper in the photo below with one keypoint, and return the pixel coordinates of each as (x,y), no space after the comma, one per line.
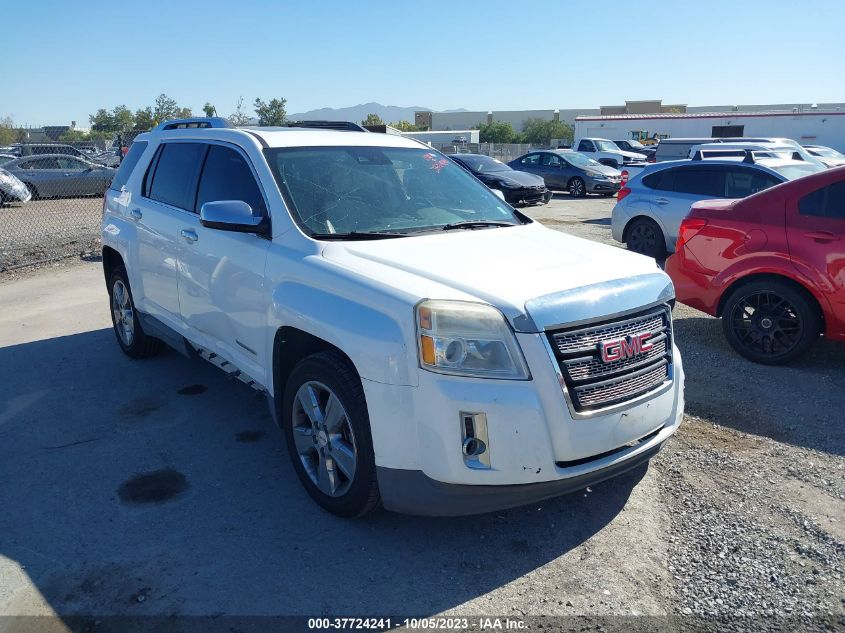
(475,224)
(357,235)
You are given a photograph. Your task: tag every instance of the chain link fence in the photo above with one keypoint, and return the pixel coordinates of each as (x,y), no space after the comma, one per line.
(51,196)
(51,200)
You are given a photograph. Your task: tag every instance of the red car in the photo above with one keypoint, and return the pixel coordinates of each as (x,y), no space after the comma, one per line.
(771,265)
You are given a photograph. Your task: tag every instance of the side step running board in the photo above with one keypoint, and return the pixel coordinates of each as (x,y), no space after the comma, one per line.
(228,368)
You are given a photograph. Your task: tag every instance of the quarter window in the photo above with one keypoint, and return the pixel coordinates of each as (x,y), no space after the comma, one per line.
(174,178)
(227,176)
(827,202)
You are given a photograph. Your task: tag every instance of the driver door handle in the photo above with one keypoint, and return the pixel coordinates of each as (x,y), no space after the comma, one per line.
(189,235)
(822,236)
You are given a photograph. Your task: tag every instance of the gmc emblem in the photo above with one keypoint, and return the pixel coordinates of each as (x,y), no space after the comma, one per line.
(628,347)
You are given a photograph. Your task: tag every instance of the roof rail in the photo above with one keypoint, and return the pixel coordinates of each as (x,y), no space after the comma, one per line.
(342,126)
(748,156)
(194,122)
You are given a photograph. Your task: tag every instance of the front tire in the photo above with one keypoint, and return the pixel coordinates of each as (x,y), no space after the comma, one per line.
(770,322)
(327,429)
(577,188)
(646,238)
(131,337)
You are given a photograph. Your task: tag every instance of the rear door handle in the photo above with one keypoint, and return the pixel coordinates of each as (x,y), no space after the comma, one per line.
(822,236)
(189,235)
(661,201)
(136,214)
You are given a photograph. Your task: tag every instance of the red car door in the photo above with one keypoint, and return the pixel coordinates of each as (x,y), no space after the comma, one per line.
(815,224)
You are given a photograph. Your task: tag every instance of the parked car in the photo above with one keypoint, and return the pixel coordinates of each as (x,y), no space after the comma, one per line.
(420,342)
(12,189)
(33,149)
(60,176)
(636,147)
(606,152)
(519,188)
(829,156)
(677,148)
(652,203)
(571,171)
(783,144)
(770,265)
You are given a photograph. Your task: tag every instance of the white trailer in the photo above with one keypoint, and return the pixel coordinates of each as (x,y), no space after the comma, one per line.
(814,127)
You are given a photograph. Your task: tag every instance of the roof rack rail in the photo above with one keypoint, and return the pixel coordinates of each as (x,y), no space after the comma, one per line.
(748,156)
(194,122)
(342,126)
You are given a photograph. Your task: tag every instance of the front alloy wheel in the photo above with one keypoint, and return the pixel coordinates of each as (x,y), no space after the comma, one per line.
(770,322)
(327,428)
(325,441)
(577,188)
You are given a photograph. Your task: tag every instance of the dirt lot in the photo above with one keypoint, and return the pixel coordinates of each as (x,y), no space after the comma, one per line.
(738,524)
(46,229)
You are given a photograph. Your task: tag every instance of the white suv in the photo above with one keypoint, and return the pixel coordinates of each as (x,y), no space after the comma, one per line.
(421,343)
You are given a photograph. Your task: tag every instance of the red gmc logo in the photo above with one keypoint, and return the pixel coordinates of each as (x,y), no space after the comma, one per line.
(627,347)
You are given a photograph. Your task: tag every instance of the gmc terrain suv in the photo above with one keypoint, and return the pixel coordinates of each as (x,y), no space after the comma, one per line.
(422,344)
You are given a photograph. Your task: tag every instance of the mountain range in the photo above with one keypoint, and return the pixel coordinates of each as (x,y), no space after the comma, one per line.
(357,113)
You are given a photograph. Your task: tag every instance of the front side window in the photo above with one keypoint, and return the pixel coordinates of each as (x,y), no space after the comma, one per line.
(173,177)
(227,176)
(370,190)
(72,163)
(827,202)
(551,160)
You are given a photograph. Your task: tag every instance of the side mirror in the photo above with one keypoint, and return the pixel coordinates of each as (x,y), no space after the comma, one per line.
(233,215)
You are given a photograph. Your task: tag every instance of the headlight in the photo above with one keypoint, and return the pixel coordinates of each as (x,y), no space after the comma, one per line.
(509,184)
(468,339)
(597,176)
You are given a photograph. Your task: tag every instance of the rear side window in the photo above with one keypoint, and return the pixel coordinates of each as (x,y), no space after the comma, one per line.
(531,159)
(586,146)
(174,178)
(741,183)
(827,202)
(227,176)
(700,181)
(130,160)
(662,180)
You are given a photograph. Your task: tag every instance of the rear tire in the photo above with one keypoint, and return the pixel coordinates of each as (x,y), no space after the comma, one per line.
(645,237)
(131,337)
(327,429)
(770,322)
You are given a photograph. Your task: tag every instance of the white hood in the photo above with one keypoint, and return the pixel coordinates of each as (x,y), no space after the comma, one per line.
(505,267)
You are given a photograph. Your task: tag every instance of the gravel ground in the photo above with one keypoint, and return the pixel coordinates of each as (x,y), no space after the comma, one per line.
(755,479)
(47,230)
(739,524)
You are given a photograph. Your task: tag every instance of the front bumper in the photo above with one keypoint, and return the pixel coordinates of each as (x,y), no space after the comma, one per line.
(603,186)
(526,196)
(537,448)
(412,492)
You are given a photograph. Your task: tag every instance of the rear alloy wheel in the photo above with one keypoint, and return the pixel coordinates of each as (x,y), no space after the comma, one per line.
(770,322)
(577,188)
(646,238)
(127,327)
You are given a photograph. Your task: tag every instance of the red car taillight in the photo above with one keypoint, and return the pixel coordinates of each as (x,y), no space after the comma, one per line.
(651,158)
(624,191)
(689,227)
(624,177)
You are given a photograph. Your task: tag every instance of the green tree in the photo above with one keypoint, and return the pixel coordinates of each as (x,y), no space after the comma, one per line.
(272,113)
(74,136)
(165,108)
(239,117)
(102,120)
(372,119)
(123,118)
(405,126)
(496,132)
(144,119)
(541,132)
(8,134)
(209,109)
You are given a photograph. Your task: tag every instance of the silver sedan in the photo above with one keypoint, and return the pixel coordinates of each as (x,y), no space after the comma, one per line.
(60,176)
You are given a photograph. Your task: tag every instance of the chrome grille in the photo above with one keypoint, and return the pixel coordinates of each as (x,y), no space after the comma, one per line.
(593,383)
